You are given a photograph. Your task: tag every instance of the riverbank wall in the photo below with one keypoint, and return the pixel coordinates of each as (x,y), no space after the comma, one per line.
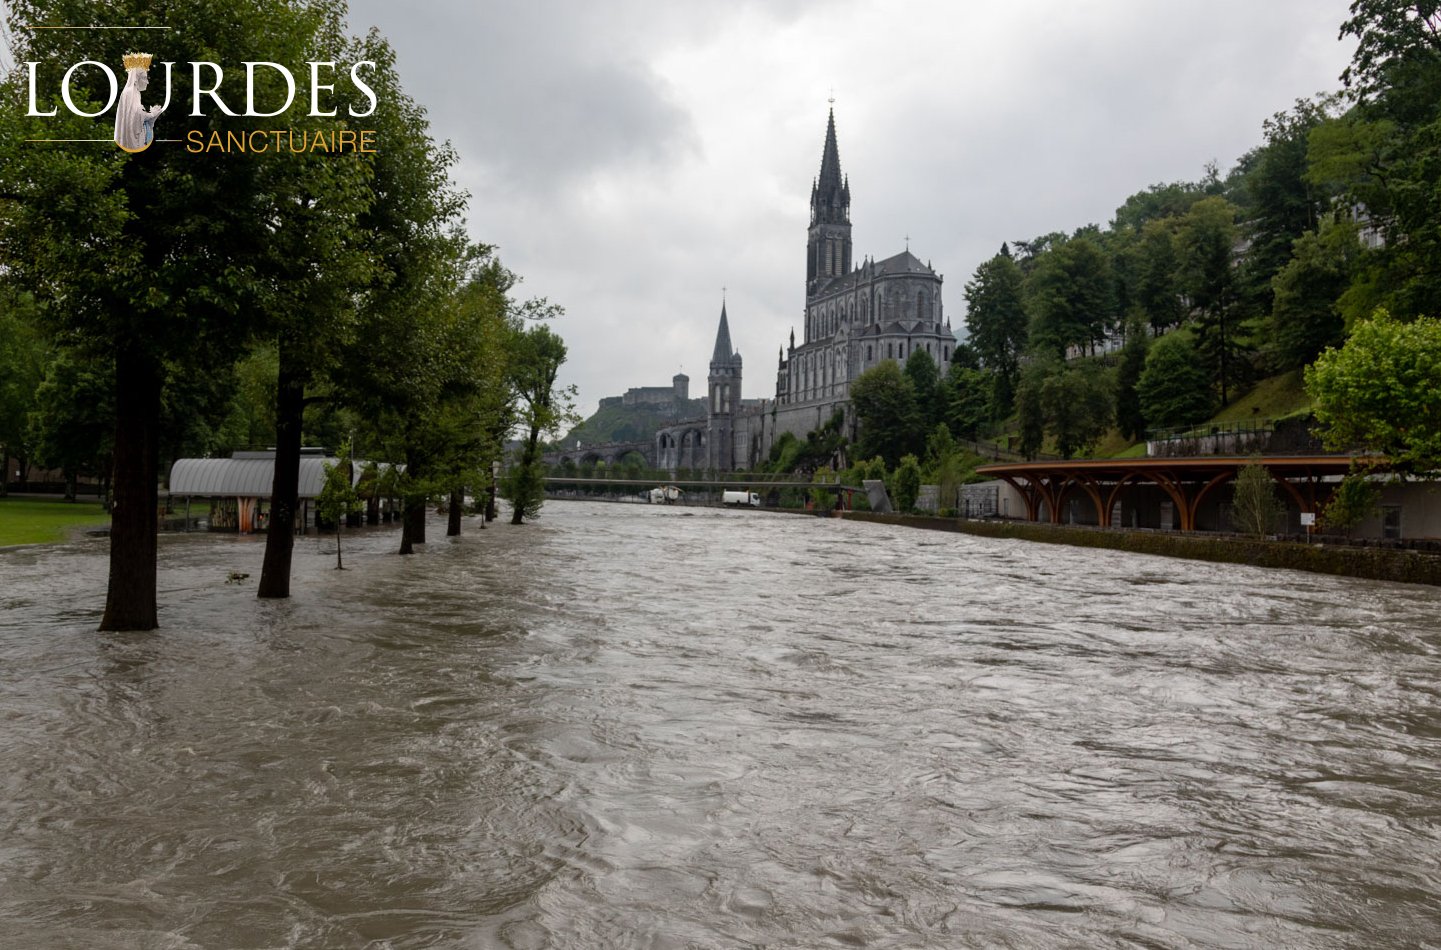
(1372,563)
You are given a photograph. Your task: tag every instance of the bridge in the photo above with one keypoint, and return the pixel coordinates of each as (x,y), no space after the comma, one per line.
(735,481)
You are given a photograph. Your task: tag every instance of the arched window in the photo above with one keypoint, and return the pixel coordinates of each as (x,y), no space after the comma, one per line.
(921,305)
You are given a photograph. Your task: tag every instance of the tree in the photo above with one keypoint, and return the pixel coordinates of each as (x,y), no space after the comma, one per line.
(926,382)
(968,398)
(1207,243)
(1130,418)
(543,407)
(1077,404)
(24,353)
(1254,504)
(1069,296)
(945,466)
(1158,291)
(1282,202)
(906,483)
(72,425)
(884,400)
(1383,152)
(1355,500)
(996,322)
(147,257)
(1305,318)
(1173,389)
(338,496)
(1030,407)
(1382,391)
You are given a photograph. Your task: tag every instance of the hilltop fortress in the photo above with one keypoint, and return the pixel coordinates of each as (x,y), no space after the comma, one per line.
(856,315)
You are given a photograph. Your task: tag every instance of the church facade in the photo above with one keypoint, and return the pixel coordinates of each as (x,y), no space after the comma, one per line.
(856,316)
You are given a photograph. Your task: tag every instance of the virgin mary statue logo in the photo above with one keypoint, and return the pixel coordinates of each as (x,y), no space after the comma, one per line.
(134,125)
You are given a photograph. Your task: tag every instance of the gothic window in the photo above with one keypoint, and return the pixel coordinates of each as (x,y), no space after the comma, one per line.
(868,354)
(921,305)
(889,354)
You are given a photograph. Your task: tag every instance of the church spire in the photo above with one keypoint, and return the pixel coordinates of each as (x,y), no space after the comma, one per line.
(828,250)
(831,195)
(723,352)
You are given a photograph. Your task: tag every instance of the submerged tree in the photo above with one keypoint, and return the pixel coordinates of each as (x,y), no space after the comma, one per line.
(542,407)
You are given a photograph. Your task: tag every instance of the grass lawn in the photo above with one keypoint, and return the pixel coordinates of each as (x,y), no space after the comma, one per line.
(41,520)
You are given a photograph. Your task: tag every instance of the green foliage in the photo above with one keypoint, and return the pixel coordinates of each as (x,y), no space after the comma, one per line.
(996,321)
(1305,318)
(523,485)
(1281,201)
(1030,411)
(24,352)
(72,425)
(1255,505)
(1069,296)
(945,466)
(1130,417)
(967,399)
(1077,404)
(884,400)
(1356,499)
(1070,402)
(925,383)
(1173,388)
(905,484)
(1207,242)
(542,407)
(338,496)
(1158,291)
(1382,391)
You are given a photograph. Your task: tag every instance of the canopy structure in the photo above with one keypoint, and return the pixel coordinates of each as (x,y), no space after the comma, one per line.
(242,477)
(1107,484)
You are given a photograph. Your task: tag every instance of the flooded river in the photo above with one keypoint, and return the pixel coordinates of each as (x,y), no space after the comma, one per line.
(626,726)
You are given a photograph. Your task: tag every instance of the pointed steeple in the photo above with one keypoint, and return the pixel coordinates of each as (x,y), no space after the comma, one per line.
(831,193)
(723,352)
(828,245)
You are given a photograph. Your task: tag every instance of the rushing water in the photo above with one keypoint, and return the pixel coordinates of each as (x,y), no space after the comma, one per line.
(626,726)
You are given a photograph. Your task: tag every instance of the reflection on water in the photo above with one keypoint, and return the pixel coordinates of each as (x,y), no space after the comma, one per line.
(633,727)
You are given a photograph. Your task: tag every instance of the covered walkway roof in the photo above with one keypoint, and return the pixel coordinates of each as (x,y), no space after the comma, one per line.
(1308,480)
(242,477)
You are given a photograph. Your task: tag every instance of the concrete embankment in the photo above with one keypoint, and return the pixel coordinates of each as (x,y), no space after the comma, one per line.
(1373,563)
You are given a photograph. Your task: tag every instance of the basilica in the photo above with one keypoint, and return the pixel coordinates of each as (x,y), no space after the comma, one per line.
(856,315)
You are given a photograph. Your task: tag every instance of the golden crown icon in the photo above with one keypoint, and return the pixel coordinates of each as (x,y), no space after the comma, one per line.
(138,60)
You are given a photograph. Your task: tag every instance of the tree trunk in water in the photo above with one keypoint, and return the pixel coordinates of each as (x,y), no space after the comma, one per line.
(457,501)
(372,511)
(285,489)
(339,564)
(412,524)
(130,598)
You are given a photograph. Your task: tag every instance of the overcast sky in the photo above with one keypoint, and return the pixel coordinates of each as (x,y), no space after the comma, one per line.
(630,159)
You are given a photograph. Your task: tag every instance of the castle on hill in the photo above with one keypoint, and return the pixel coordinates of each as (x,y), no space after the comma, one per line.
(856,315)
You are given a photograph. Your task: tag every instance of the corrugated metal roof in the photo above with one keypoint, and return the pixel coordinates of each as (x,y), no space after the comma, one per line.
(242,478)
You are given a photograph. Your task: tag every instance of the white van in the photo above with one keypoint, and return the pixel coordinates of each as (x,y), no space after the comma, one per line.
(741,498)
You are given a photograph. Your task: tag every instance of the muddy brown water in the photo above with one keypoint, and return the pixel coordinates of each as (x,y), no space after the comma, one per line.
(626,726)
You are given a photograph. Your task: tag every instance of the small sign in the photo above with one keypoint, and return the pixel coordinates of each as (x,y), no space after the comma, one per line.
(1308,518)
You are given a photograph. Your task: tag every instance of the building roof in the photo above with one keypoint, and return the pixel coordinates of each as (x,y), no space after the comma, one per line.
(242,477)
(896,265)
